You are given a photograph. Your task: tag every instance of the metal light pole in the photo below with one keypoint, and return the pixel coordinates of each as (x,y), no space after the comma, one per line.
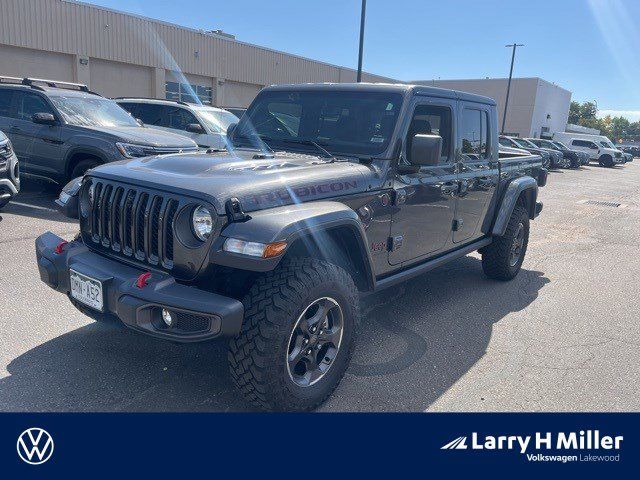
(364,8)
(506,101)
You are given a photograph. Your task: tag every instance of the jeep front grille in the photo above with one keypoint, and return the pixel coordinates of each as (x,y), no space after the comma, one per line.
(133,223)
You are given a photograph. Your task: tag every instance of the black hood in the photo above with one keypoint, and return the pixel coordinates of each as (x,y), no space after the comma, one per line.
(146,136)
(258,183)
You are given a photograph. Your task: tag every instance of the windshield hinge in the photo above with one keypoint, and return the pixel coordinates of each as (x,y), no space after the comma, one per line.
(234,211)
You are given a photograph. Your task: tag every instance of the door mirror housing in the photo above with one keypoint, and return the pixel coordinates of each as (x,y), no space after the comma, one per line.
(426,149)
(195,128)
(43,118)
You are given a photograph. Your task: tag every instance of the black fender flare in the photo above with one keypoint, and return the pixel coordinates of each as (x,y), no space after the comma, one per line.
(511,194)
(290,224)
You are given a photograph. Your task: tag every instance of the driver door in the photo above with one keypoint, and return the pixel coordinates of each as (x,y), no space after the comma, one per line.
(37,146)
(421,225)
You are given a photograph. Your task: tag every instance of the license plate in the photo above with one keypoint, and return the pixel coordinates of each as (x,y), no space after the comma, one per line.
(86,290)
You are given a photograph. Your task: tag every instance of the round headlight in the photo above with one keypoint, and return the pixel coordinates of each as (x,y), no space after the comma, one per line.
(202,223)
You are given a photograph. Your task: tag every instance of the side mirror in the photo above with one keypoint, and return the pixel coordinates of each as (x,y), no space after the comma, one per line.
(42,118)
(230,129)
(195,128)
(426,149)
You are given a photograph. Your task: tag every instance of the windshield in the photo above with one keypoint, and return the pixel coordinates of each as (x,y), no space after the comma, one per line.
(524,143)
(93,112)
(358,123)
(216,120)
(560,145)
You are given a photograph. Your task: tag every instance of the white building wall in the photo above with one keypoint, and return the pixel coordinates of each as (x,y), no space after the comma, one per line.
(530,101)
(551,111)
(61,31)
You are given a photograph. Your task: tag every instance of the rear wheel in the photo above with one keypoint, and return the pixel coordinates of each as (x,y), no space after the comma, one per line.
(503,258)
(297,337)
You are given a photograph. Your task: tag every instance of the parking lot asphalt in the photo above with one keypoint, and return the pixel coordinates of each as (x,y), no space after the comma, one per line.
(563,336)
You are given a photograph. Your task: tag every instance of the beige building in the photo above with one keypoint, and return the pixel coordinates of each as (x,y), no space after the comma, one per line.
(119,54)
(537,108)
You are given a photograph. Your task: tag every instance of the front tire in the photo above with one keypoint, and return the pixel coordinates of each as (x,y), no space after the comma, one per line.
(81,167)
(297,337)
(606,161)
(502,259)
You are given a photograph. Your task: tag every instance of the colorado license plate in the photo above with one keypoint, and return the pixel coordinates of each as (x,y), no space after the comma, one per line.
(86,290)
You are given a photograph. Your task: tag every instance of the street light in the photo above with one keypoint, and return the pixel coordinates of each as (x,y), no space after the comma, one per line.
(506,101)
(362,14)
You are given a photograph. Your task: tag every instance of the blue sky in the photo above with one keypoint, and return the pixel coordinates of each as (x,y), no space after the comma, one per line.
(591,47)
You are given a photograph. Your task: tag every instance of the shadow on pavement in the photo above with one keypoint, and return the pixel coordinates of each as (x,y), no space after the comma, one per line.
(415,342)
(36,200)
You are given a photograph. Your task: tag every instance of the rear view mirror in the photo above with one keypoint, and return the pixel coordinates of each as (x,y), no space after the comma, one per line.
(42,118)
(426,149)
(195,128)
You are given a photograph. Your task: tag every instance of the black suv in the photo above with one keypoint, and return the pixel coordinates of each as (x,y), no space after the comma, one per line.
(60,129)
(331,191)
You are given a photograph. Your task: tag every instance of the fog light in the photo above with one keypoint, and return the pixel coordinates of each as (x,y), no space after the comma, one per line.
(167,317)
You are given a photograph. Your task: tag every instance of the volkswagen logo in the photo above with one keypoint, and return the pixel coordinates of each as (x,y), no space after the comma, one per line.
(35,446)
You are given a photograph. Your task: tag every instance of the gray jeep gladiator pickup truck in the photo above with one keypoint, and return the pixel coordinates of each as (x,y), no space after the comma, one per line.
(327,193)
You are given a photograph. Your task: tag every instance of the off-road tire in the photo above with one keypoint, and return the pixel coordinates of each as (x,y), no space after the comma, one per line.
(258,355)
(81,167)
(496,256)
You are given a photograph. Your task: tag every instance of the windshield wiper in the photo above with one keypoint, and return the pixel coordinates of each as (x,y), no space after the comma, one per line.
(324,151)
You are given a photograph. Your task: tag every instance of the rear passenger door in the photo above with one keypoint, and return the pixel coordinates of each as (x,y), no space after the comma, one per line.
(477,169)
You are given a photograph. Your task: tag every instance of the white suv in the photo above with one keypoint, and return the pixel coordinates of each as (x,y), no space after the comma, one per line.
(605,156)
(205,125)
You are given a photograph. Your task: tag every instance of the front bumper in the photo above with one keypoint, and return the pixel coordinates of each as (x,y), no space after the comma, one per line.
(140,308)
(9,178)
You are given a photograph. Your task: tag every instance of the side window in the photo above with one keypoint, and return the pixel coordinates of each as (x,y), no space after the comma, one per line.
(484,145)
(431,120)
(151,114)
(30,104)
(472,140)
(505,142)
(6,96)
(131,108)
(179,118)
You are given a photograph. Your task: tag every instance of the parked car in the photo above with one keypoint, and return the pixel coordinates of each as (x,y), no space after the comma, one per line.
(557,159)
(512,142)
(59,129)
(273,243)
(630,149)
(205,125)
(605,154)
(9,171)
(582,156)
(574,158)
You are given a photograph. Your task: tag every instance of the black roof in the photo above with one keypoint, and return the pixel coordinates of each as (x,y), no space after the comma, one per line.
(386,87)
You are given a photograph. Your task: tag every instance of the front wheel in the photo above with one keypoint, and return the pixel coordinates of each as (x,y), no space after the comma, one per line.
(503,258)
(297,337)
(606,161)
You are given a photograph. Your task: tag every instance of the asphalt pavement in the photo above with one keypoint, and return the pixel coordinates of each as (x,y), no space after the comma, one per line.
(563,336)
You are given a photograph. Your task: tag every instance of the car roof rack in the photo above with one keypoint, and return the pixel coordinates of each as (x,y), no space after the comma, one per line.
(179,102)
(31,82)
